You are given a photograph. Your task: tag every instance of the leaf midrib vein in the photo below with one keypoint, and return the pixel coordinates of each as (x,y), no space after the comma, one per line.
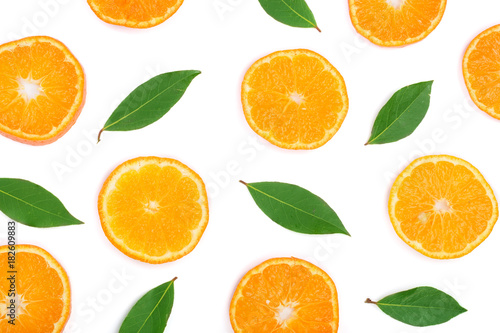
(154,309)
(302,17)
(36,207)
(142,105)
(413,306)
(401,114)
(287,204)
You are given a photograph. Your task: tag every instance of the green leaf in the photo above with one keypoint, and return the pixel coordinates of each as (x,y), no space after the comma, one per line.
(295,208)
(422,306)
(295,13)
(151,312)
(402,114)
(31,204)
(149,102)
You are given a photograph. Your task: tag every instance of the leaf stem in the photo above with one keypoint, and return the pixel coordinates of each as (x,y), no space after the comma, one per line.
(317,28)
(369,301)
(243,183)
(99,135)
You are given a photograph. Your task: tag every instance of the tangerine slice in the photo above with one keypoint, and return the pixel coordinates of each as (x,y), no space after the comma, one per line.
(481,69)
(396,22)
(294,99)
(43,292)
(42,90)
(135,13)
(442,206)
(153,209)
(285,295)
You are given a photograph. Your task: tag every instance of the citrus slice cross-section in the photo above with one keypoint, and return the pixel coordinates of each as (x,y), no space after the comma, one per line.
(285,295)
(43,292)
(135,13)
(396,22)
(153,209)
(294,99)
(481,69)
(42,90)
(442,206)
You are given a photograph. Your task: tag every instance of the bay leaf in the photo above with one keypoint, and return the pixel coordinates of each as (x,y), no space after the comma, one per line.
(149,102)
(295,13)
(422,306)
(402,114)
(150,314)
(295,208)
(32,205)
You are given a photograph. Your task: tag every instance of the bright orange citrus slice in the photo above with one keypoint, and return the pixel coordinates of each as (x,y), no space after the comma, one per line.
(135,13)
(481,69)
(42,288)
(442,206)
(285,295)
(396,22)
(42,90)
(154,209)
(294,99)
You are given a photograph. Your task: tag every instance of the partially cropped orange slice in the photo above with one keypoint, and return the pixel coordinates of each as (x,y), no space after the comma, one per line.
(295,99)
(154,209)
(442,206)
(481,69)
(42,288)
(42,90)
(135,13)
(285,295)
(396,22)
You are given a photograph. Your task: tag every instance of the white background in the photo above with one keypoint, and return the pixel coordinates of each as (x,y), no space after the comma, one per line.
(207,131)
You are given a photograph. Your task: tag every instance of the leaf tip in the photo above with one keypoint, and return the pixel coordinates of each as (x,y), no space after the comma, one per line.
(243,183)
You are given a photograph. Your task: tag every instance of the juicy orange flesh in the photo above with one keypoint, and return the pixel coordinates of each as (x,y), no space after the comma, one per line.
(483,66)
(154,209)
(45,66)
(443,206)
(388,23)
(135,10)
(279,286)
(294,99)
(40,291)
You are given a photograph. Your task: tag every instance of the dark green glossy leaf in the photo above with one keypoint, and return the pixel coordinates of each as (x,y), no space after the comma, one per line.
(295,13)
(32,205)
(295,208)
(402,114)
(150,314)
(422,306)
(149,102)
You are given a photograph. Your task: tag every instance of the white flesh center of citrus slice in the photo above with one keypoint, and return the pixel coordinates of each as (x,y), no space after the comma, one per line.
(29,89)
(442,206)
(396,3)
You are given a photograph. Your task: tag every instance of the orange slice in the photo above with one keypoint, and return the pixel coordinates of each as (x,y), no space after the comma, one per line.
(135,13)
(42,90)
(481,69)
(442,206)
(396,22)
(154,209)
(43,292)
(285,295)
(294,99)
